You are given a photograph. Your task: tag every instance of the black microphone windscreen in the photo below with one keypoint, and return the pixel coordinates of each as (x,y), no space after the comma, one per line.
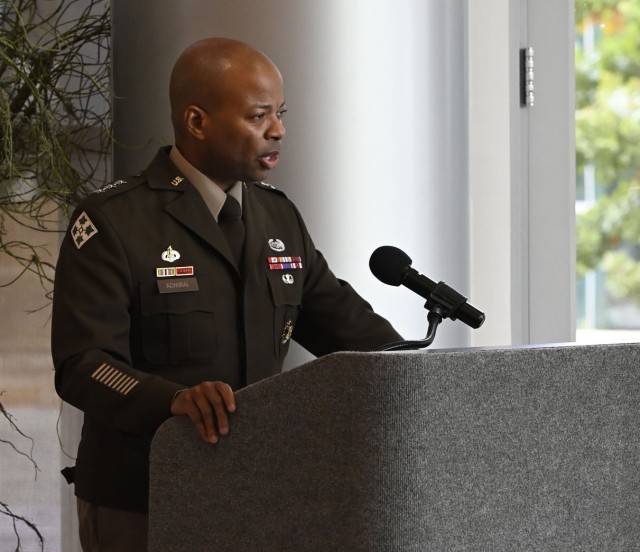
(388,264)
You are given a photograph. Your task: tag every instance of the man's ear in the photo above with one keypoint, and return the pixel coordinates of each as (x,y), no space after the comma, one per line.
(195,121)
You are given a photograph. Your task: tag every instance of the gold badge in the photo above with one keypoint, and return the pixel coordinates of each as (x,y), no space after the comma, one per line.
(287,332)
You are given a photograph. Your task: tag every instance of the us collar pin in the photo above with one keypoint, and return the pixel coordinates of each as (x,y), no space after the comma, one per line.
(176,181)
(276,244)
(170,255)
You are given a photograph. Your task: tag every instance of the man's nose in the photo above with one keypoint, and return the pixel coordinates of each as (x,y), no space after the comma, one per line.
(276,130)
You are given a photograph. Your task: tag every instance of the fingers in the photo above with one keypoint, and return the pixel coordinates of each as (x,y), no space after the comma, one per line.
(207,405)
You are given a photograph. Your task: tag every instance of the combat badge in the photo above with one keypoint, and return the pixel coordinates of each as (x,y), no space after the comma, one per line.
(83,230)
(287,332)
(276,244)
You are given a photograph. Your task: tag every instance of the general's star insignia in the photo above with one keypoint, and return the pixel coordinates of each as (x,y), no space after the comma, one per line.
(83,230)
(110,186)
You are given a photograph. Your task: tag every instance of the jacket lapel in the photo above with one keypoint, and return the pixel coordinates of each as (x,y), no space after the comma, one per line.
(254,217)
(187,207)
(191,211)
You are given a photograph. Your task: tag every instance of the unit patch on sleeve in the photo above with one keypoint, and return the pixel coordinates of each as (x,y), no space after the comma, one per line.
(83,230)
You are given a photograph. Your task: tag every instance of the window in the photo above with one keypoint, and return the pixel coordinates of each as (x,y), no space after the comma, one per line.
(608,170)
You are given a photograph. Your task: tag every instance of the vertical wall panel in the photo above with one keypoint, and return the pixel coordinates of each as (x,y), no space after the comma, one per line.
(376,151)
(493,178)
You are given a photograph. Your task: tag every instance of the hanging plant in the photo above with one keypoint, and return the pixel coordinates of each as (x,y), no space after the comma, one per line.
(55,137)
(54,117)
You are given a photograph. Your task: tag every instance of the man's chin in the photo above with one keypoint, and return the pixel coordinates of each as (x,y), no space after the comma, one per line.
(258,176)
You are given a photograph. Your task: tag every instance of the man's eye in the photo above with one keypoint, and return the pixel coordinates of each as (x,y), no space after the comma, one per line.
(258,116)
(281,113)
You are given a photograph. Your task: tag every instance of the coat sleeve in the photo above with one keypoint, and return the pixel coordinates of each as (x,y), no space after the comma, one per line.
(91,324)
(334,317)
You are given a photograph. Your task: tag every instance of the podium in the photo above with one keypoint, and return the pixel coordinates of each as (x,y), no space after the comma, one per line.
(448,450)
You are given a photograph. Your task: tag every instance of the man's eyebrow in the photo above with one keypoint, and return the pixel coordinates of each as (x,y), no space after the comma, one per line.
(268,106)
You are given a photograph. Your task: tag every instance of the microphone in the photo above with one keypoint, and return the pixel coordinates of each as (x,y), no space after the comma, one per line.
(392,266)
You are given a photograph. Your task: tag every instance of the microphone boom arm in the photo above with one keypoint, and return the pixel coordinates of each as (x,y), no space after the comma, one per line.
(434,317)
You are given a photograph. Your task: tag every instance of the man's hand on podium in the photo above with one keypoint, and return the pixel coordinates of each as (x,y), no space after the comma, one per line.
(202,403)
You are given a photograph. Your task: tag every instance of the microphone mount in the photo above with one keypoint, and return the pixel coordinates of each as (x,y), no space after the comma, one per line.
(442,303)
(392,266)
(434,317)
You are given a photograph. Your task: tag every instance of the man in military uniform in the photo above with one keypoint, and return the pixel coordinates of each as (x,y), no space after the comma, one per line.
(186,282)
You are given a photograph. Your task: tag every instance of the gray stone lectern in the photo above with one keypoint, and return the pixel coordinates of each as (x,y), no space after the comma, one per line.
(497,450)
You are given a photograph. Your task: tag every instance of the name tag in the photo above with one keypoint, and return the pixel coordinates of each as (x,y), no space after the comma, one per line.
(178,285)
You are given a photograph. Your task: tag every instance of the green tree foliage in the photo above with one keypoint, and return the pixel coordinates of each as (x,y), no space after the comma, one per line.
(608,138)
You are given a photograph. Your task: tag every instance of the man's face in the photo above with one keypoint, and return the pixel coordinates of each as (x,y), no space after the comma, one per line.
(243,128)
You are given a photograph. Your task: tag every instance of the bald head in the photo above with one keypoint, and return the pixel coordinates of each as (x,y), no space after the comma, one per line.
(227,103)
(206,72)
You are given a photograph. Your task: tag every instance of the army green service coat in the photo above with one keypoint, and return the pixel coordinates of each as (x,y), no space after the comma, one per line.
(148,300)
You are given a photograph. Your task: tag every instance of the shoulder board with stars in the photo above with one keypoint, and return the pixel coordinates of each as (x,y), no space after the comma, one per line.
(109,186)
(119,186)
(269,188)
